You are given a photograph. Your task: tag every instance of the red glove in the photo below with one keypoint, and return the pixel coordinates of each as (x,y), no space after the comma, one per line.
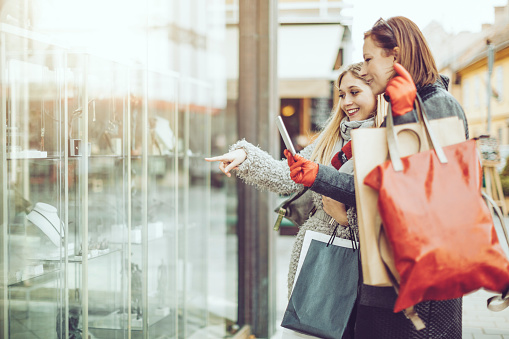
(302,171)
(401,90)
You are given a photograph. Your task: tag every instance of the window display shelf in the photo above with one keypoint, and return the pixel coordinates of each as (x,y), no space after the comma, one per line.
(155,156)
(118,319)
(30,34)
(37,279)
(119,232)
(27,155)
(49,158)
(105,156)
(192,155)
(78,258)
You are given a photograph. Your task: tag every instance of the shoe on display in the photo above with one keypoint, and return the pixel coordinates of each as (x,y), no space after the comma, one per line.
(45,217)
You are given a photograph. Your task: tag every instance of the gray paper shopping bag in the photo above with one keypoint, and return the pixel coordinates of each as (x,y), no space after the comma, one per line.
(325,291)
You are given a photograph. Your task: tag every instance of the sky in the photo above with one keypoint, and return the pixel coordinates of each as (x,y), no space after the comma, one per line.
(454,15)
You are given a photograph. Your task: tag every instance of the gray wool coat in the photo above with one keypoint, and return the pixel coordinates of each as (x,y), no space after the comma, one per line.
(266,173)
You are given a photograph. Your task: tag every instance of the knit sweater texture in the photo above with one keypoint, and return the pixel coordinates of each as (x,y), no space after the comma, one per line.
(266,173)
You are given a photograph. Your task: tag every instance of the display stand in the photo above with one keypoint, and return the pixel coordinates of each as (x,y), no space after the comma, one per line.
(493,185)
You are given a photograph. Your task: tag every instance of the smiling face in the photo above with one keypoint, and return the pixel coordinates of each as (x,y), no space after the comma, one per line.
(377,68)
(357,99)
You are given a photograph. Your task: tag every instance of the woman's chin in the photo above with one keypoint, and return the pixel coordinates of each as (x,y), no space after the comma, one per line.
(377,89)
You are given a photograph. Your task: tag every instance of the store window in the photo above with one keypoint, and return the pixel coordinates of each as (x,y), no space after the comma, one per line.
(114,225)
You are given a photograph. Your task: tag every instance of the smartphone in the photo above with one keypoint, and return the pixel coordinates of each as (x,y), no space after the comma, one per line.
(284,135)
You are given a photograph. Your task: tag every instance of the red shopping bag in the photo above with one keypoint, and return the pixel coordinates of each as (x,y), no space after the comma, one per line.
(438,225)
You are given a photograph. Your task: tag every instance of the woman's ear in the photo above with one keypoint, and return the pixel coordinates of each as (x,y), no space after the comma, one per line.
(395,53)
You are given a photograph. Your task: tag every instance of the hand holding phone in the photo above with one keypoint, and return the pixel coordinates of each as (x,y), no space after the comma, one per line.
(284,135)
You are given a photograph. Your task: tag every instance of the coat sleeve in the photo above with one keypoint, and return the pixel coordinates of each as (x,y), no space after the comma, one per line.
(336,185)
(267,173)
(438,103)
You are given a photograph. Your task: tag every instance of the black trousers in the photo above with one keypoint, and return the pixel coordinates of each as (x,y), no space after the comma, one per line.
(443,319)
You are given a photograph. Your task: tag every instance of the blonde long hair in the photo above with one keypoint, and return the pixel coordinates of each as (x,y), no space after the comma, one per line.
(331,133)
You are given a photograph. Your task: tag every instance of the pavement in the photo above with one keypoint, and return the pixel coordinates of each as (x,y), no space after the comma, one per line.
(478,321)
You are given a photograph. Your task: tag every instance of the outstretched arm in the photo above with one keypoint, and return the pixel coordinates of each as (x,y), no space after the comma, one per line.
(229,161)
(257,167)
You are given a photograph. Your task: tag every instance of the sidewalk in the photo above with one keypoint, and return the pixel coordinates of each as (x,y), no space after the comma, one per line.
(478,321)
(481,323)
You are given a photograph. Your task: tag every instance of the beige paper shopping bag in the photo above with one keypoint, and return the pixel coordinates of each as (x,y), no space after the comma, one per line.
(369,147)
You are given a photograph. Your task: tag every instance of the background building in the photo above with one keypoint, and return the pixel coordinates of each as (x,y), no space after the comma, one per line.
(464,58)
(313,42)
(477,65)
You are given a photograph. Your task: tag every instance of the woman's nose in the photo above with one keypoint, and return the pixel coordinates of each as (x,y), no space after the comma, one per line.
(363,72)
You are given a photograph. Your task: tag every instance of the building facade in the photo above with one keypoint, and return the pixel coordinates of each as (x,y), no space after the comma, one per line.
(313,43)
(480,86)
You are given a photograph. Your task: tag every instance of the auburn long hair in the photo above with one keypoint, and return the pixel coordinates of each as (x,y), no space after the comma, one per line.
(331,133)
(414,52)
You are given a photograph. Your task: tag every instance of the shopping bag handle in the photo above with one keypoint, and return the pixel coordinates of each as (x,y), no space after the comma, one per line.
(499,214)
(499,302)
(392,143)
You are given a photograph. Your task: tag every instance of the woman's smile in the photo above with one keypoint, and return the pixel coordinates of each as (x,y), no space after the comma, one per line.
(352,111)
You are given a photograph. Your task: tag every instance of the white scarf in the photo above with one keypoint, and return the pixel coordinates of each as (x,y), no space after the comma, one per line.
(347,126)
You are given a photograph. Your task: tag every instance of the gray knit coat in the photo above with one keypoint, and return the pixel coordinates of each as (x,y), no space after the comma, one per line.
(266,173)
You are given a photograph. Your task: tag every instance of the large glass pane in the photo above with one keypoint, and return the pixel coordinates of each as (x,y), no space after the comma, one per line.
(108,103)
(194,121)
(98,103)
(32,82)
(112,154)
(162,226)
(76,111)
(154,205)
(138,195)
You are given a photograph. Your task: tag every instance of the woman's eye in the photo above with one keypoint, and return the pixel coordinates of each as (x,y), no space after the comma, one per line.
(342,96)
(367,59)
(354,92)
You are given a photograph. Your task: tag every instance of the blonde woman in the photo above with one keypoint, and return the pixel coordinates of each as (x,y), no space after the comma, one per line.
(356,108)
